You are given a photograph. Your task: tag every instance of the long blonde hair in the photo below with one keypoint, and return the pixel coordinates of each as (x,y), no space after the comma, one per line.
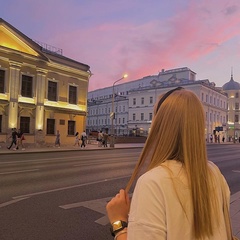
(177,132)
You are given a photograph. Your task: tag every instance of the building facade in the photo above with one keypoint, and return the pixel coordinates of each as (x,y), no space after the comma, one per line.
(134,101)
(232,89)
(41,91)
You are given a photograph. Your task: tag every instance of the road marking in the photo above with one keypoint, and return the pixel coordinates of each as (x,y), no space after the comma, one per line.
(62,158)
(38,160)
(69,187)
(98,205)
(237,171)
(11,202)
(22,171)
(107,162)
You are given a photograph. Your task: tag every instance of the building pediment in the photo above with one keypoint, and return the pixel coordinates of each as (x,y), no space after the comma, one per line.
(11,38)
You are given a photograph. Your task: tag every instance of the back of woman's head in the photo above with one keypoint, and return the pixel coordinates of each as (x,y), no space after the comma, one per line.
(178,127)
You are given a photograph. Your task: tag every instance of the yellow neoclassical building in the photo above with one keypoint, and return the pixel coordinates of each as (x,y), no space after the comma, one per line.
(41,91)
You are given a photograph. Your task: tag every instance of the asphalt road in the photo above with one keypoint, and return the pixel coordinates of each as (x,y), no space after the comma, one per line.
(62,195)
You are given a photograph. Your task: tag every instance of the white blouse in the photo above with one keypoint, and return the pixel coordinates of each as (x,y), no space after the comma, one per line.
(156,212)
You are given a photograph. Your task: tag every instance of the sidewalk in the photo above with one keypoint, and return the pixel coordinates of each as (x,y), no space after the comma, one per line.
(234,201)
(94,146)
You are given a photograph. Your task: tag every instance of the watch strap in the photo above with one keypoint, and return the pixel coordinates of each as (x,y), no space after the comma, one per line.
(123,225)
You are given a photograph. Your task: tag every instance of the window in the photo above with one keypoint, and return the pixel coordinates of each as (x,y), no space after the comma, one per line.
(134,116)
(52,91)
(0,123)
(50,126)
(72,98)
(236,118)
(123,120)
(134,101)
(27,83)
(142,100)
(25,124)
(151,100)
(236,95)
(71,127)
(150,116)
(236,106)
(2,79)
(119,120)
(123,108)
(142,116)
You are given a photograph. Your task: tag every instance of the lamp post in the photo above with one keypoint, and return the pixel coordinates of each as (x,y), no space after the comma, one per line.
(112,115)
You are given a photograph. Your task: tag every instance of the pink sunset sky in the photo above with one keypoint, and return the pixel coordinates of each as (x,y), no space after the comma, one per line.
(137,37)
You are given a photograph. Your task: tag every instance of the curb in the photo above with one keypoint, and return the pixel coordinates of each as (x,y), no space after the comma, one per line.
(63,150)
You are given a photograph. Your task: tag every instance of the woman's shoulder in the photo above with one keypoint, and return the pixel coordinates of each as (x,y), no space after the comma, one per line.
(169,168)
(213,167)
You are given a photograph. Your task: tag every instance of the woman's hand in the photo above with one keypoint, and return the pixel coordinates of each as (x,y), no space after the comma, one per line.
(118,207)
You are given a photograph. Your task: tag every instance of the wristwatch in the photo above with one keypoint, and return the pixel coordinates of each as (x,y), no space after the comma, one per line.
(118,226)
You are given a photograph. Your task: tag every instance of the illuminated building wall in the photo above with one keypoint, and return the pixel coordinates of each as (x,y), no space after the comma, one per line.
(40,91)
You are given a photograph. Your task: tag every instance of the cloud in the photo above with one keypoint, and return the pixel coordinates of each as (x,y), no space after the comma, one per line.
(231,10)
(132,36)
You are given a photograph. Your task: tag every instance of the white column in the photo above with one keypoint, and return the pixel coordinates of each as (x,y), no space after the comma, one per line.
(40,95)
(14,90)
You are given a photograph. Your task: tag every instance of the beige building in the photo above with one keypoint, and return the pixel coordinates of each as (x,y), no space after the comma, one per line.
(41,91)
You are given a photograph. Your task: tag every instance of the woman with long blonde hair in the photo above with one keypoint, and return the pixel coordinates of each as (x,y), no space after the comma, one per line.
(179,193)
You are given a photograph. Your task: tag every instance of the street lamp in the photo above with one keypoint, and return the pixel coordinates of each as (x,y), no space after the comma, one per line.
(112,115)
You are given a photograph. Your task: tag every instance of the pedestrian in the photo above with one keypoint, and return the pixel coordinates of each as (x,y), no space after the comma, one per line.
(211,138)
(76,139)
(20,139)
(105,139)
(14,138)
(180,194)
(100,138)
(223,139)
(57,141)
(239,139)
(84,139)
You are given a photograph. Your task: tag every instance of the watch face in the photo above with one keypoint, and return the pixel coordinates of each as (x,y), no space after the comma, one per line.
(117,225)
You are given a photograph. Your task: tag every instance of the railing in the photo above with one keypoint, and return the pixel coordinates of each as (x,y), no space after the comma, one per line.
(49,48)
